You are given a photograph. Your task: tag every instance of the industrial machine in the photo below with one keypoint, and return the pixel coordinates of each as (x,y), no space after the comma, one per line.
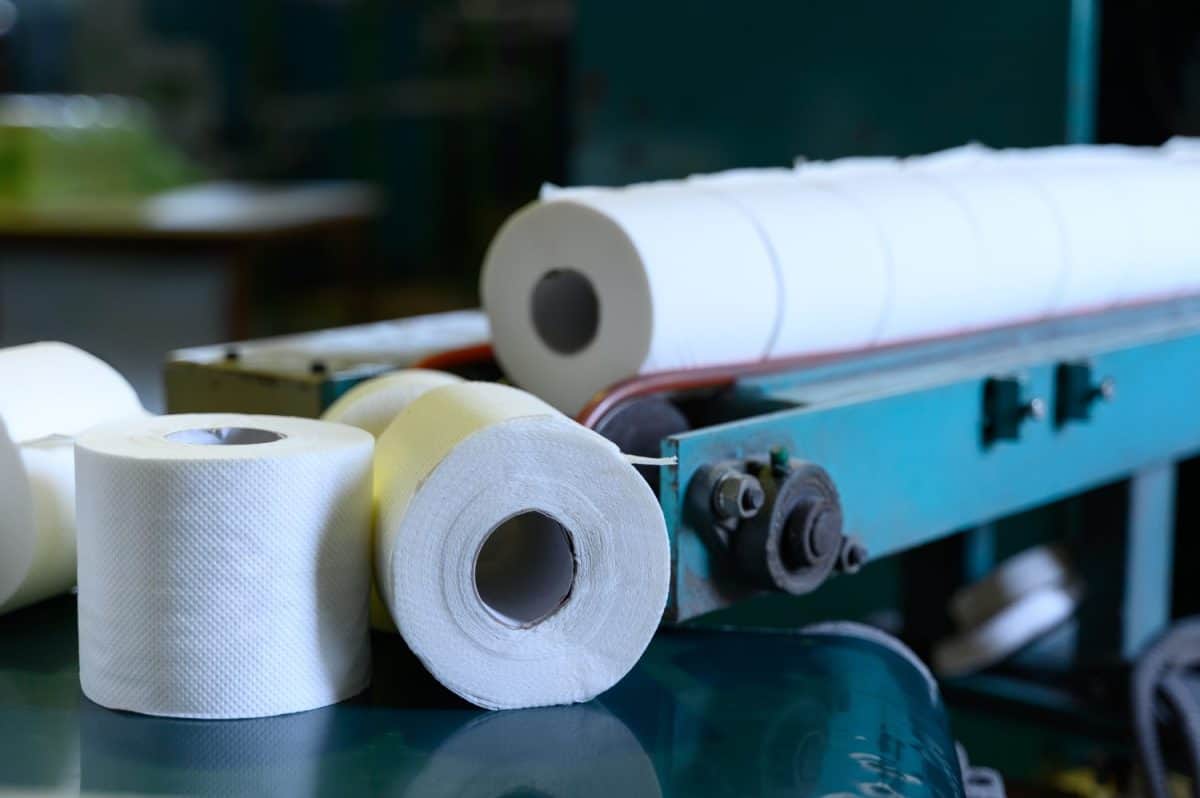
(788,475)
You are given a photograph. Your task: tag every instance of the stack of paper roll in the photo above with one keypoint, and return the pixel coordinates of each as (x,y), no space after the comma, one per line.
(588,287)
(49,393)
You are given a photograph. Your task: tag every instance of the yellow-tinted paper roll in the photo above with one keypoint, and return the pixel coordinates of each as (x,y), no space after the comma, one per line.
(524,561)
(372,405)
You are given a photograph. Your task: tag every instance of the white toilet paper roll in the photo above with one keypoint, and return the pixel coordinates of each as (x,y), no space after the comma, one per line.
(1096,220)
(37,522)
(1183,148)
(372,405)
(1024,261)
(223,564)
(596,287)
(51,388)
(48,392)
(832,263)
(524,561)
(934,254)
(1162,197)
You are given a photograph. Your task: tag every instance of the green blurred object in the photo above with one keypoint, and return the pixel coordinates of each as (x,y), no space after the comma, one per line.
(80,151)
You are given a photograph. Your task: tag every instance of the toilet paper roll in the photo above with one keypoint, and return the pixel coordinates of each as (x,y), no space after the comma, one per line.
(1183,148)
(934,254)
(524,561)
(1162,197)
(223,564)
(833,267)
(1096,220)
(52,388)
(592,288)
(51,391)
(37,525)
(1024,260)
(371,405)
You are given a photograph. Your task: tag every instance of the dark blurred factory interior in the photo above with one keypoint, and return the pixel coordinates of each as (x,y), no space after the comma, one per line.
(333,161)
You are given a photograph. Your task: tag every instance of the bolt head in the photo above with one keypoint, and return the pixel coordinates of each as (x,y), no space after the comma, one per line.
(1036,409)
(853,556)
(738,495)
(1107,389)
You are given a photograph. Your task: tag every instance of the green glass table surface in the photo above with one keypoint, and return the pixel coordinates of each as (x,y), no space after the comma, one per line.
(703,713)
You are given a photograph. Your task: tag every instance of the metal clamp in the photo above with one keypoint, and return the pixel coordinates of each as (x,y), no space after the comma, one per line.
(1006,408)
(779,519)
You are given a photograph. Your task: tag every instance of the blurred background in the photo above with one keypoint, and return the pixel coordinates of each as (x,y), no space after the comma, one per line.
(175,174)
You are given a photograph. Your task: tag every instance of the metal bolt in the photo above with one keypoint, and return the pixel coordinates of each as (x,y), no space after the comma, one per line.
(808,535)
(1107,389)
(1035,409)
(852,556)
(737,495)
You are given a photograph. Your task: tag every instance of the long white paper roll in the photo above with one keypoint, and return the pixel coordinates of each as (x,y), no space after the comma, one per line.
(893,250)
(597,286)
(524,561)
(223,564)
(371,405)
(48,392)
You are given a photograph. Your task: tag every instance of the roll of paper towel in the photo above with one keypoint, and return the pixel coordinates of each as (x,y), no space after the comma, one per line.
(223,564)
(371,405)
(523,559)
(50,392)
(594,287)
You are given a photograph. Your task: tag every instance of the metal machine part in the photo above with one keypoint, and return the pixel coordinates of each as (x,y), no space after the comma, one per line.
(301,375)
(778,520)
(1076,391)
(1006,408)
(898,431)
(639,427)
(1163,688)
(854,712)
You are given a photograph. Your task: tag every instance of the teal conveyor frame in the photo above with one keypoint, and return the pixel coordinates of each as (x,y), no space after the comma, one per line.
(919,447)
